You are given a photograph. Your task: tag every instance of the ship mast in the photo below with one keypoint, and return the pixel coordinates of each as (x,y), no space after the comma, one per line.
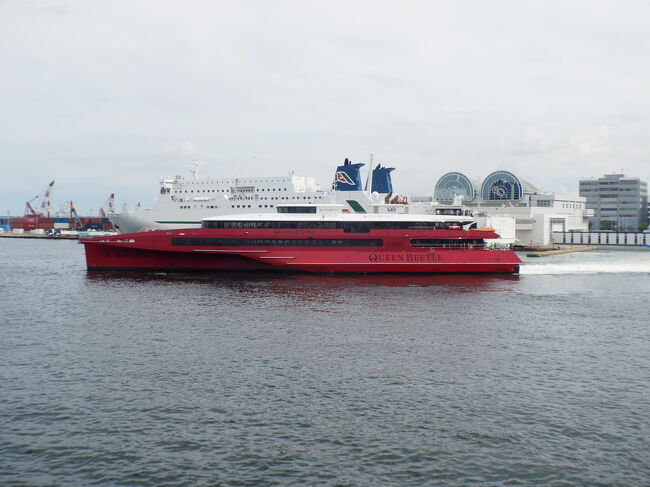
(194,168)
(369,180)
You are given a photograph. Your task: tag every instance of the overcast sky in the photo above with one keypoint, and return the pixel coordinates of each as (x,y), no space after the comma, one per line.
(109,96)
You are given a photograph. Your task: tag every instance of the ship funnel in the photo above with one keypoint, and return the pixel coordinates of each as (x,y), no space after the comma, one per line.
(381,180)
(348,177)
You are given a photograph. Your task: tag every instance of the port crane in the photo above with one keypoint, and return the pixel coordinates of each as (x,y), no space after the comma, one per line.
(74,216)
(108,208)
(44,209)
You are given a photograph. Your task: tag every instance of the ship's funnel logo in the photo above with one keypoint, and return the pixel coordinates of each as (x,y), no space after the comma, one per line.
(342,177)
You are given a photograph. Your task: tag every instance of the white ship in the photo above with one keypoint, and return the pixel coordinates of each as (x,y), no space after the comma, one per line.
(184,202)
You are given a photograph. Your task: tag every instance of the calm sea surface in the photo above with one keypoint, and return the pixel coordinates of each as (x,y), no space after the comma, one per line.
(260,380)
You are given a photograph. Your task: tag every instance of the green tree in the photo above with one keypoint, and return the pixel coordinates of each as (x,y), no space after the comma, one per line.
(606,225)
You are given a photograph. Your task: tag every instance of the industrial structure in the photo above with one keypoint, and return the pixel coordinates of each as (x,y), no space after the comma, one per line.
(40,217)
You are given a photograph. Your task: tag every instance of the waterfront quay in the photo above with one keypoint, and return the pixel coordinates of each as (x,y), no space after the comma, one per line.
(40,235)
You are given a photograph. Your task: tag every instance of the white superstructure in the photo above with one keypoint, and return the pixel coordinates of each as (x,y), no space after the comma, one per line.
(184,202)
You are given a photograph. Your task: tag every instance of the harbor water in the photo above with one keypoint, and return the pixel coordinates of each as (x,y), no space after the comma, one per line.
(124,379)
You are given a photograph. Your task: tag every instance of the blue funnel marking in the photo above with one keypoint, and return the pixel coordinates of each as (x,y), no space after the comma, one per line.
(381,180)
(348,177)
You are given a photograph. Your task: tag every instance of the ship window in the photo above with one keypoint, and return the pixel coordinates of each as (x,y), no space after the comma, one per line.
(297,209)
(356,227)
(441,242)
(279,242)
(347,227)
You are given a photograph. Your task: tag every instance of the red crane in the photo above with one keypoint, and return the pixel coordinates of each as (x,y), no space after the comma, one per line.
(45,206)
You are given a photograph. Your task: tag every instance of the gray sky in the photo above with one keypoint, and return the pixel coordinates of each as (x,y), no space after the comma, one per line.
(109,96)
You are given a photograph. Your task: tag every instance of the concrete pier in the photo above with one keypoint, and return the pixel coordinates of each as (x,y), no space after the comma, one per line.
(38,235)
(563,250)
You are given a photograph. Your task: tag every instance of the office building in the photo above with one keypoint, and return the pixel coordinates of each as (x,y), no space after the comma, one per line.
(618,202)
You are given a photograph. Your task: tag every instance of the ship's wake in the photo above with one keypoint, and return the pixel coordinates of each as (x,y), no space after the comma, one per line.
(586,268)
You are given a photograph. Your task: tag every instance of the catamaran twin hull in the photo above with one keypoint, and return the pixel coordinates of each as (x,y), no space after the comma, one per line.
(420,251)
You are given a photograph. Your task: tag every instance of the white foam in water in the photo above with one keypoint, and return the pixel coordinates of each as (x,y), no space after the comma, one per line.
(612,262)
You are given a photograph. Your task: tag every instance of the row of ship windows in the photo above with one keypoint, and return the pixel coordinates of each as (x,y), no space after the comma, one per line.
(286,198)
(188,207)
(357,227)
(228,190)
(249,198)
(320,242)
(240,181)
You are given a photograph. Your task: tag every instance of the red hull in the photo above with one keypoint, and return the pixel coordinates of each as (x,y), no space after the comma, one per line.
(101,257)
(160,251)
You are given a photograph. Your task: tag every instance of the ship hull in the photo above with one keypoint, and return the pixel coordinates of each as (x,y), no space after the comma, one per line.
(142,220)
(155,251)
(111,258)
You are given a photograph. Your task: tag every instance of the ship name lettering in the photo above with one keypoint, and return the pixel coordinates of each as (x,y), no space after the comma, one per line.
(386,258)
(420,257)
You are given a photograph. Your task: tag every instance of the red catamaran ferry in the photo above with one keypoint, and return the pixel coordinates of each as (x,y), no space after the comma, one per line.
(311,238)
